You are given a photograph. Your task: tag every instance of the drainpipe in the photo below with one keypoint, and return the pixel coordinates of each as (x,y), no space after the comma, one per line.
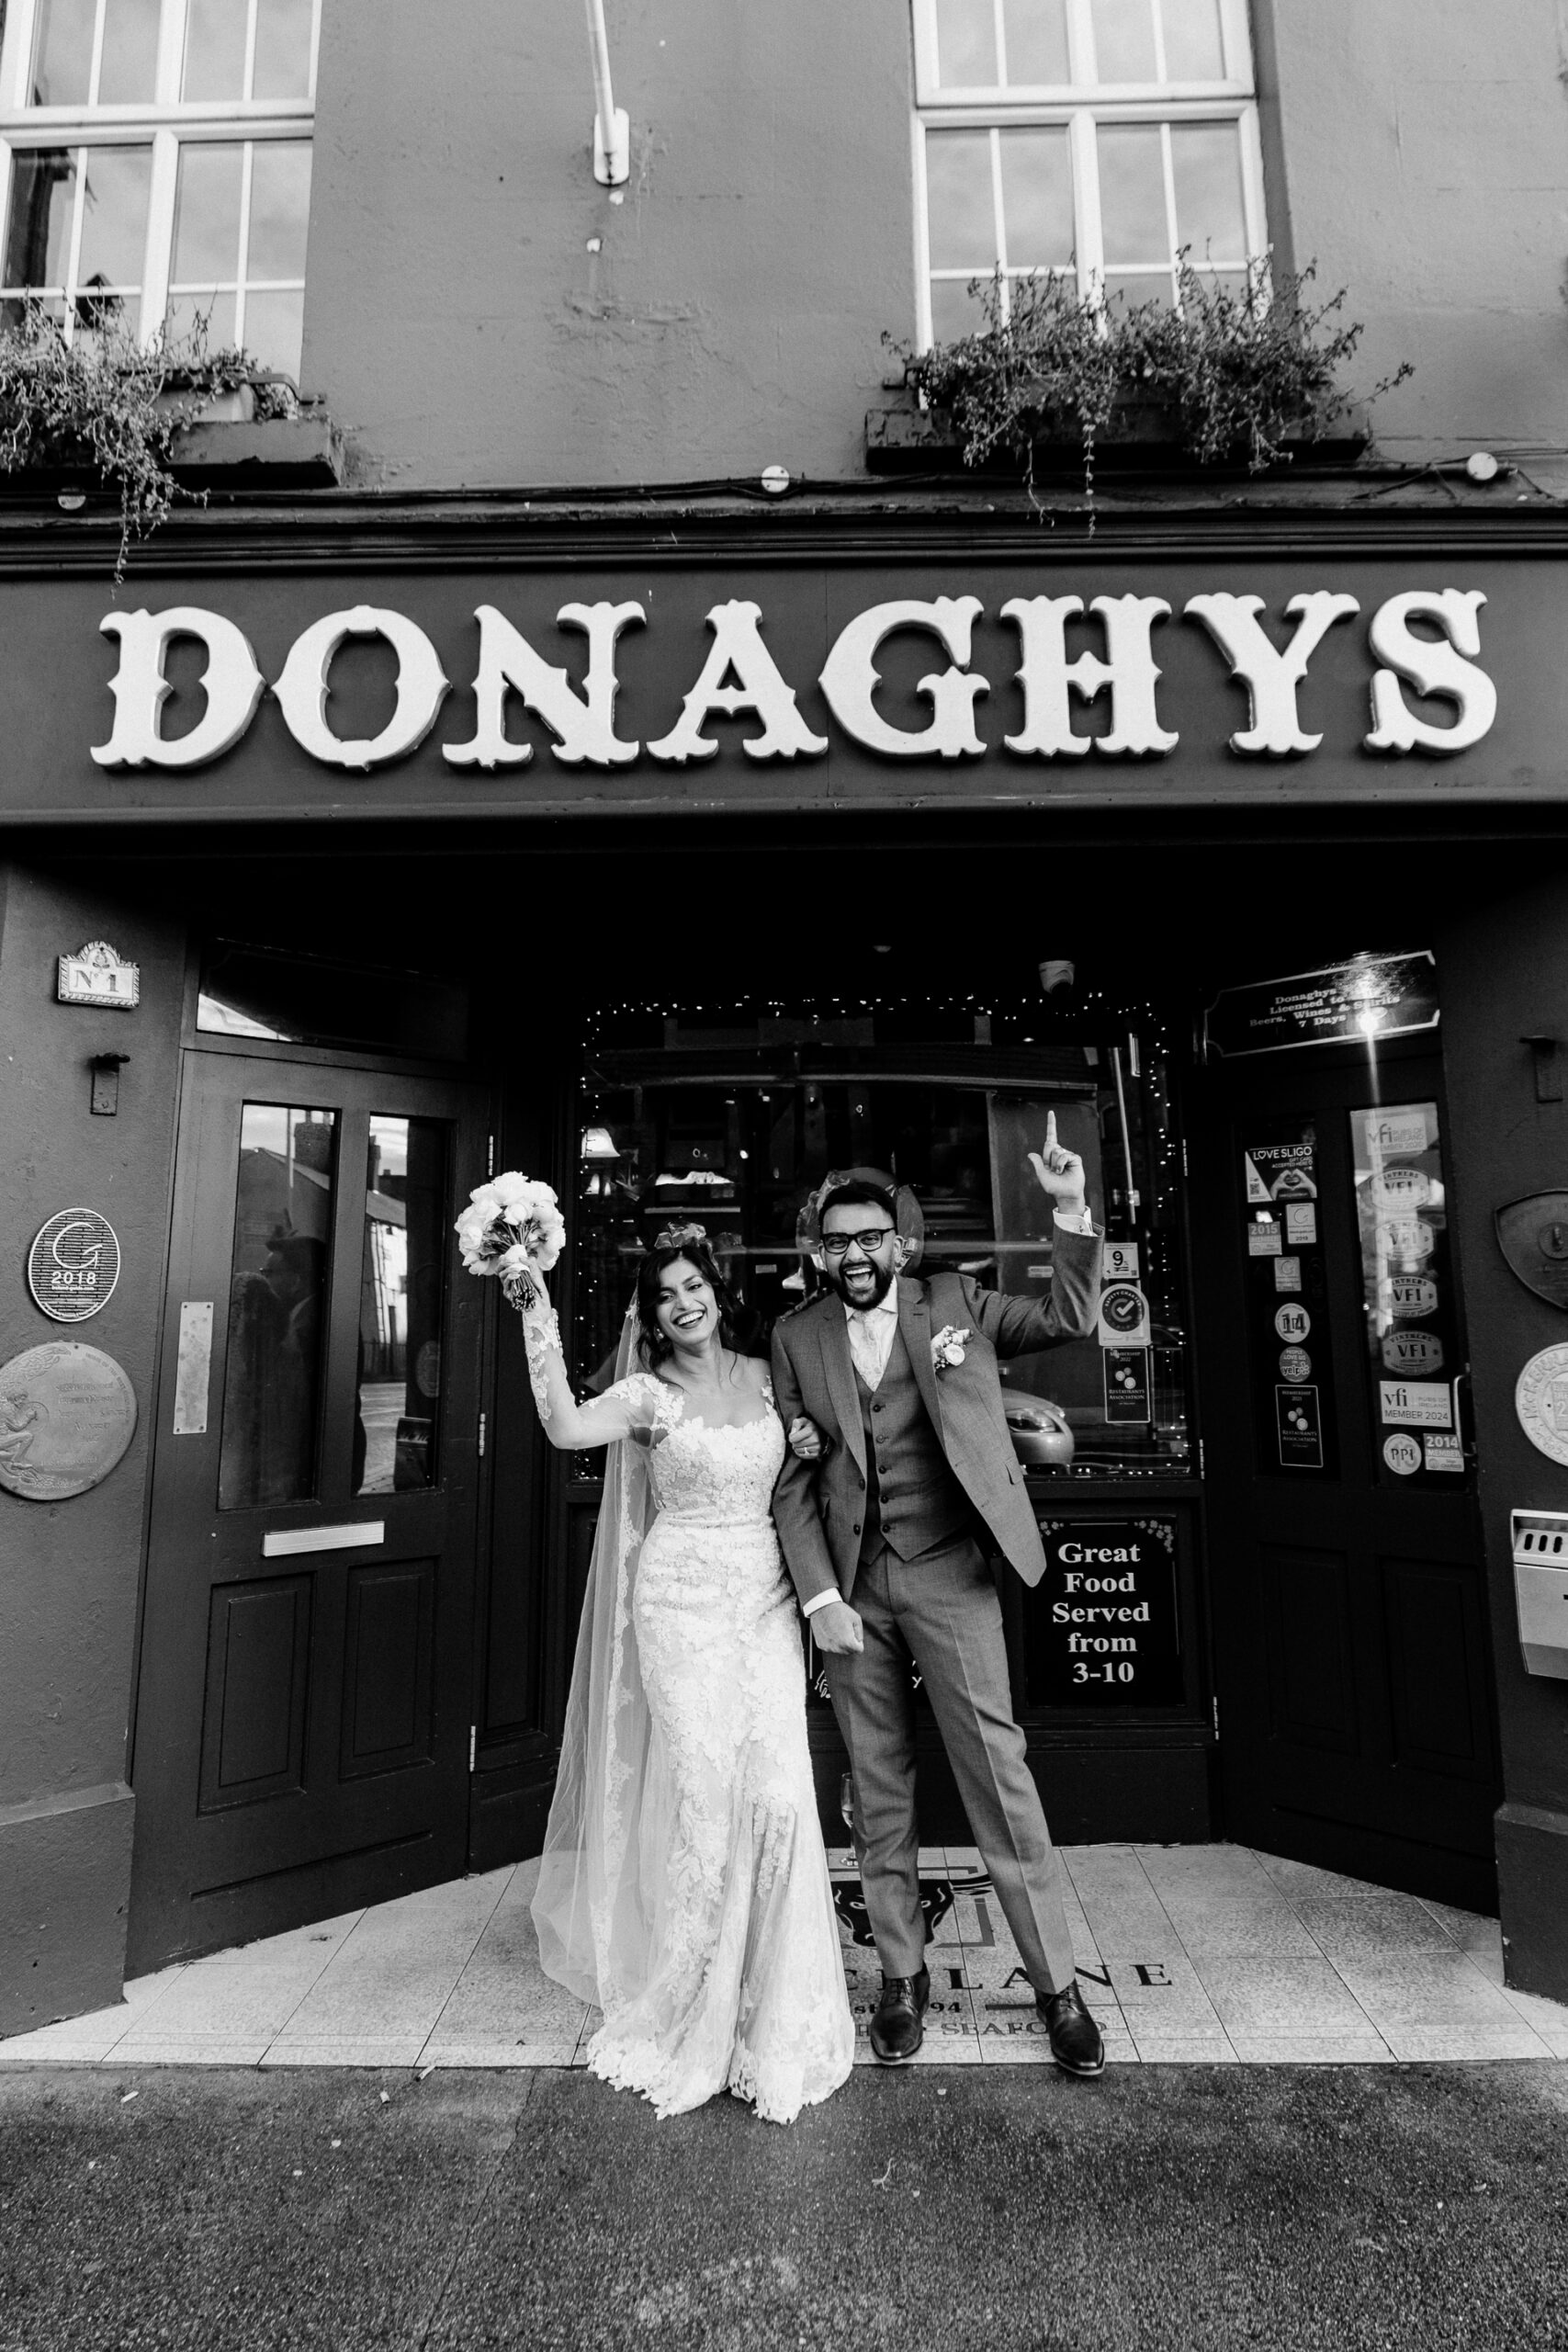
(612,135)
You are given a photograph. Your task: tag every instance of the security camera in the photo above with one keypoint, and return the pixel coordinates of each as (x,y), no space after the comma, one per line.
(1058,977)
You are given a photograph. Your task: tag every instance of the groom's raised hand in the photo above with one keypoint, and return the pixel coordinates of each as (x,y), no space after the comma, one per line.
(1059,1174)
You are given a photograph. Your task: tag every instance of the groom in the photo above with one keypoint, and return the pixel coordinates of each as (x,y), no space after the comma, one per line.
(880,1533)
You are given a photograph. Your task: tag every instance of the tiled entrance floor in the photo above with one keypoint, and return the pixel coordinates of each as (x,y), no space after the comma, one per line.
(1186,1953)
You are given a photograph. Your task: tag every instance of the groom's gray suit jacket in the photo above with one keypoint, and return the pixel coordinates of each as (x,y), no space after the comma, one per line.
(820,1507)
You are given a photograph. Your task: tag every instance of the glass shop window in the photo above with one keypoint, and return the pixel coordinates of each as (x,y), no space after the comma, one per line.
(1095,137)
(276,1313)
(156,156)
(281,998)
(738,1125)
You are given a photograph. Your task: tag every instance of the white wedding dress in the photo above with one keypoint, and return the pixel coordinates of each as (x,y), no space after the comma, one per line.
(715,1948)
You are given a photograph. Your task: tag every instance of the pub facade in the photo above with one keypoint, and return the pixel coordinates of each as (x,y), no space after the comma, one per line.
(599,762)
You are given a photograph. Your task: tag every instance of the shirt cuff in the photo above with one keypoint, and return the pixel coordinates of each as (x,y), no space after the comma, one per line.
(818,1601)
(1084,1224)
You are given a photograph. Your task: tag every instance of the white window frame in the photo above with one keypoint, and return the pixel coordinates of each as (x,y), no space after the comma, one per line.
(165,123)
(1082,106)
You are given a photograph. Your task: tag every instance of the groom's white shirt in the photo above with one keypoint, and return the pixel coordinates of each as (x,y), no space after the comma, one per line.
(872,1332)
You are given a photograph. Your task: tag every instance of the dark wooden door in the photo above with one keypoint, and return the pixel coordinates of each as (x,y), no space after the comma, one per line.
(302,1732)
(1353,1672)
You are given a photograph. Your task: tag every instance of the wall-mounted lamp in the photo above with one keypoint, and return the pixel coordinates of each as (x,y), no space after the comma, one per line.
(1548,1066)
(106,1069)
(598,1143)
(612,132)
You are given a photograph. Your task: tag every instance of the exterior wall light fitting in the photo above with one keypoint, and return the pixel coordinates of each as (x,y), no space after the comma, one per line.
(612,132)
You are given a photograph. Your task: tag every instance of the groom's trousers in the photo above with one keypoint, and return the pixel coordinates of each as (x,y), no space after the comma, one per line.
(942,1608)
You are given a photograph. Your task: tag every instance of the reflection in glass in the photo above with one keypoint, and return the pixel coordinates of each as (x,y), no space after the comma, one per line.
(1037,196)
(114,217)
(1131,194)
(1193,49)
(283,50)
(280,207)
(207,212)
(62,52)
(37,234)
(127,67)
(965,45)
(1124,40)
(1205,167)
(962,215)
(215,50)
(276,1321)
(1037,41)
(401,1294)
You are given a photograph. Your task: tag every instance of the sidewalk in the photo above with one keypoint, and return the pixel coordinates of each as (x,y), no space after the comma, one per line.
(1187,1954)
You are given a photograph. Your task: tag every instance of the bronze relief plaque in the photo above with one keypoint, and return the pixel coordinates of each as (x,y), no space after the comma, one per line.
(67,1413)
(1533,1237)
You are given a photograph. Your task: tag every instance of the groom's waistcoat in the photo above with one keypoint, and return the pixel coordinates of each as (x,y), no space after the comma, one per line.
(912,1499)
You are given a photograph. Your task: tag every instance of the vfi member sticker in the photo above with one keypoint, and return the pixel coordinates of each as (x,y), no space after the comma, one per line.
(1416,1353)
(1406,1237)
(1402,1453)
(1401,1188)
(1123,1316)
(1412,1296)
(1299,1428)
(73,1265)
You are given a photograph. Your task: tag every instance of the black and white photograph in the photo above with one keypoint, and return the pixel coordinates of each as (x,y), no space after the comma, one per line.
(784,1176)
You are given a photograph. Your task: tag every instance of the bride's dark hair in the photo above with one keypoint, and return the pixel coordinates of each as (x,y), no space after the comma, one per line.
(677,1241)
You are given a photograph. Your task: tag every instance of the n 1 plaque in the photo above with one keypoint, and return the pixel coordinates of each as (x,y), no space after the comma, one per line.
(1103,1629)
(67,1413)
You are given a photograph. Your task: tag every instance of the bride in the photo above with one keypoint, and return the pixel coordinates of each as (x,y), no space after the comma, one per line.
(683,1888)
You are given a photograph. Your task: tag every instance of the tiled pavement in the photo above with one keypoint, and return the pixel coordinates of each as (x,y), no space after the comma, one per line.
(1186,1953)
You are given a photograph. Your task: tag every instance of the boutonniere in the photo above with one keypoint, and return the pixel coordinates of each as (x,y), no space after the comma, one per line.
(947,1348)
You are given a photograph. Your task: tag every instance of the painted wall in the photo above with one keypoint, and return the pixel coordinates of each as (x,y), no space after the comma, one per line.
(1504,977)
(69,1571)
(466,332)
(461,326)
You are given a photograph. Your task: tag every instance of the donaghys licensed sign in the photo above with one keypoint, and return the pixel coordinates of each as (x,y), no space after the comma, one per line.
(679,682)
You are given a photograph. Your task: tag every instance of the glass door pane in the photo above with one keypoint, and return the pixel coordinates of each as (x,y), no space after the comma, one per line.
(401,1299)
(278,1287)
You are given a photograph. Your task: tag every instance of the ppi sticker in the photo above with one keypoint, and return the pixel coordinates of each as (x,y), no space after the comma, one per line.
(1402,1453)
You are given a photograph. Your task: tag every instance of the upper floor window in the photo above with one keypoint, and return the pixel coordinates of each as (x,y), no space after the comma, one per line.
(1099,137)
(155,167)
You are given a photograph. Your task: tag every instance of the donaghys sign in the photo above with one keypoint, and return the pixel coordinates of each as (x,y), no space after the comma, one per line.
(749,685)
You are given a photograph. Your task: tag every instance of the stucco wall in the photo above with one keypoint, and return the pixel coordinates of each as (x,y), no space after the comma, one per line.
(69,1571)
(461,326)
(1425,167)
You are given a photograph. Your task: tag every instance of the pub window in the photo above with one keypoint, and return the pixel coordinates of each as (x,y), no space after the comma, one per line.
(156,165)
(1097,138)
(735,1119)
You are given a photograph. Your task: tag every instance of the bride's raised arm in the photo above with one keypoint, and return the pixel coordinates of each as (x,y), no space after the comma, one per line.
(568,1425)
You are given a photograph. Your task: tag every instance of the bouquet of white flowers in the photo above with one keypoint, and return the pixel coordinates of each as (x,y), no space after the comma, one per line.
(512,1227)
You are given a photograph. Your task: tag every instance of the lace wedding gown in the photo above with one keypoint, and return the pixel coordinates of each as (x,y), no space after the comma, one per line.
(742,1985)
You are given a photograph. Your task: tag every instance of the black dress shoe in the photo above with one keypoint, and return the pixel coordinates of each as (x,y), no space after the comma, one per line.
(1075,2040)
(897,2031)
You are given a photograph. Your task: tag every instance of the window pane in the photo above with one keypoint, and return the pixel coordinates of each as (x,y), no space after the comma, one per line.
(963,216)
(1124,40)
(283,50)
(43,181)
(1205,163)
(402,1295)
(128,70)
(1037,198)
(280,207)
(215,50)
(207,216)
(1194,50)
(965,43)
(1037,41)
(213,313)
(114,215)
(277,1291)
(1140,286)
(954,310)
(62,52)
(274,327)
(1132,195)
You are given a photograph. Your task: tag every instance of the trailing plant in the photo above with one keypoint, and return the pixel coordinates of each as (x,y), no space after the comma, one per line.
(111,407)
(1243,368)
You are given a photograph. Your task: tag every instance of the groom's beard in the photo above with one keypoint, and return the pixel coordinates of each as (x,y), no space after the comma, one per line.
(865,1294)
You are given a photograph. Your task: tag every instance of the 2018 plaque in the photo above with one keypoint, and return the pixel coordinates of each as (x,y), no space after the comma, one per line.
(73,1264)
(67,1413)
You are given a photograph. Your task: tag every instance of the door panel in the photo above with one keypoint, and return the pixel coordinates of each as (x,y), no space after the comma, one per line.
(303,1710)
(1351,1637)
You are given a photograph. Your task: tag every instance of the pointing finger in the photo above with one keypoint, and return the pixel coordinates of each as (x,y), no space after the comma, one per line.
(1050,1131)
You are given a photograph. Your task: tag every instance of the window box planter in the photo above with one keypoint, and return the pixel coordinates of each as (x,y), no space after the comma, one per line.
(1142,437)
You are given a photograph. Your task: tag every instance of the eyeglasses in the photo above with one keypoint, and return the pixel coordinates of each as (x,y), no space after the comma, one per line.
(871,1240)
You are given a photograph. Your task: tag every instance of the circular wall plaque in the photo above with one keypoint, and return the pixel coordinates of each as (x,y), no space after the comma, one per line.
(1540,1400)
(73,1264)
(67,1413)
